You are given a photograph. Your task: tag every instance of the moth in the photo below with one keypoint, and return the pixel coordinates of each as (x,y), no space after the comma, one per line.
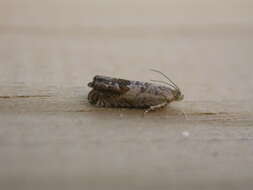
(115,92)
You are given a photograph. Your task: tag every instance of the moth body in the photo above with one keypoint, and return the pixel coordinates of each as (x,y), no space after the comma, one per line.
(114,92)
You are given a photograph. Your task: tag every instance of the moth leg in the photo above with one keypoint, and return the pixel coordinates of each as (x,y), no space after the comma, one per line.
(156,107)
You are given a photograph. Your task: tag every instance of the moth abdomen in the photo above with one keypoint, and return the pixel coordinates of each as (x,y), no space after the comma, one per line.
(96,98)
(102,99)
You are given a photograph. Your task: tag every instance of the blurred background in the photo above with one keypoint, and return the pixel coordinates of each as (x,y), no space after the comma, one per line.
(51,138)
(204,46)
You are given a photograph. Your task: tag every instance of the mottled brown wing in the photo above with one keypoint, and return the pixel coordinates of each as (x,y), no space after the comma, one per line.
(109,84)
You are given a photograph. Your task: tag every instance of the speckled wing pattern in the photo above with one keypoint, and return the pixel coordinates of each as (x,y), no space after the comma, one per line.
(114,92)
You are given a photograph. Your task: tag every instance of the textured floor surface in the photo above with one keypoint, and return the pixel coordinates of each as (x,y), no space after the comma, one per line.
(51,138)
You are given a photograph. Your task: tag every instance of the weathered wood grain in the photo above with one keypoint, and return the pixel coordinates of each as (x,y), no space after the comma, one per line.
(50,137)
(26,99)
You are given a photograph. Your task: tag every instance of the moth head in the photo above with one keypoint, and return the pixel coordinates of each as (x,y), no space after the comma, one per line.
(178,95)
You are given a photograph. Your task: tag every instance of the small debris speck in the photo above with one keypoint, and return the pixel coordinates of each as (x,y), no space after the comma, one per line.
(185,133)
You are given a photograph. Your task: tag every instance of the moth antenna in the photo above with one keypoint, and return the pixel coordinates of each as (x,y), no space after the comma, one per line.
(165,77)
(159,81)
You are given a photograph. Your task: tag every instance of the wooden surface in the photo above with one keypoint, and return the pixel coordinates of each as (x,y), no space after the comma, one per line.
(52,138)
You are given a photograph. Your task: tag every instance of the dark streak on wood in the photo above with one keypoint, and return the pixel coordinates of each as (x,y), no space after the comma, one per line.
(25,96)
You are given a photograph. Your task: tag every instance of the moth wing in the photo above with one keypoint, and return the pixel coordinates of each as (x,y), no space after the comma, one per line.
(109,84)
(151,99)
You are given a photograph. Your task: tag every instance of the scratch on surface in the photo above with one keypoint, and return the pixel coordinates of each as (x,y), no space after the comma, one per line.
(208,113)
(25,96)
